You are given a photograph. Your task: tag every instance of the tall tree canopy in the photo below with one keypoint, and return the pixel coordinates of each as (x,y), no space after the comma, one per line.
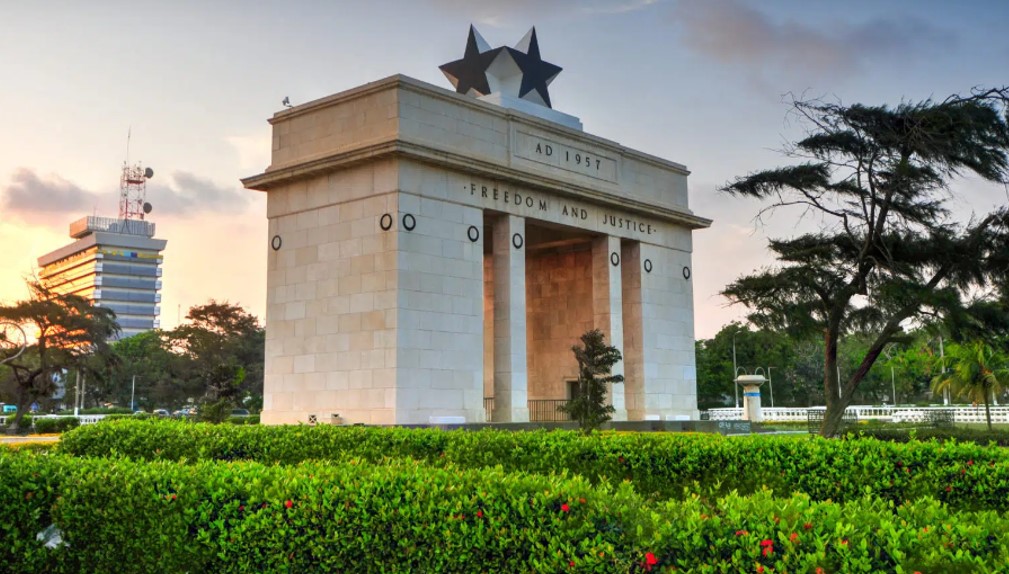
(888,249)
(70,333)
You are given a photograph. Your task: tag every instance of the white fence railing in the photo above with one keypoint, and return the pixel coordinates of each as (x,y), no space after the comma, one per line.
(961,414)
(85,419)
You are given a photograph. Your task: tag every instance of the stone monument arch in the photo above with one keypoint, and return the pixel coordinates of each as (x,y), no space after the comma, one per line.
(429,249)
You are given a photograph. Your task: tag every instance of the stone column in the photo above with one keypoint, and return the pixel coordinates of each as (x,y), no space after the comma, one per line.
(607,309)
(633,332)
(511,376)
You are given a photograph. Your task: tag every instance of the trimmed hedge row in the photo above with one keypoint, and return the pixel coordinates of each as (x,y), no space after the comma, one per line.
(127,516)
(966,476)
(47,425)
(979,436)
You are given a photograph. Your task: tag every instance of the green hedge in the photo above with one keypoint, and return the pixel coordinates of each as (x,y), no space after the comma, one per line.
(244,420)
(118,515)
(979,436)
(966,475)
(45,425)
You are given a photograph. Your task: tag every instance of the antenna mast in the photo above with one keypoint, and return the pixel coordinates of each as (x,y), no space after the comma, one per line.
(133,187)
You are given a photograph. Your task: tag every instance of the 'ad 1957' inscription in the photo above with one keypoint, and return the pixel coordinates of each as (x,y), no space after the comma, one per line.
(566,157)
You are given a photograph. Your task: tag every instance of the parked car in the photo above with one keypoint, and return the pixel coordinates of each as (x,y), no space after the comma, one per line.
(239,412)
(161,413)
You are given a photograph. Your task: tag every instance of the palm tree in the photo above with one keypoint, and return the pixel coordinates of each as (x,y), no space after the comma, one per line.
(974,371)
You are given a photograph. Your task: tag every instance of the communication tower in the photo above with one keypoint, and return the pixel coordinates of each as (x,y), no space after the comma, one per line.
(133,191)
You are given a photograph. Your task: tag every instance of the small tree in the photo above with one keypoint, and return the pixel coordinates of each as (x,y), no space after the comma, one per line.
(976,372)
(70,333)
(595,364)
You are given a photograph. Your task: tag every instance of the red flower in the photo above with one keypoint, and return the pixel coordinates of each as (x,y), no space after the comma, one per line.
(241,508)
(808,525)
(760,569)
(949,488)
(571,564)
(793,537)
(288,504)
(741,533)
(565,507)
(819,570)
(970,463)
(650,559)
(582,501)
(767,542)
(479,514)
(844,542)
(767,551)
(174,497)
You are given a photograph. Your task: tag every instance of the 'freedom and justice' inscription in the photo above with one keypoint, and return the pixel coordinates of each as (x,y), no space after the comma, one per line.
(570,212)
(563,156)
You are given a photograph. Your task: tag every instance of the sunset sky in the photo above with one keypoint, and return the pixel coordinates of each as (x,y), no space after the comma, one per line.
(703,83)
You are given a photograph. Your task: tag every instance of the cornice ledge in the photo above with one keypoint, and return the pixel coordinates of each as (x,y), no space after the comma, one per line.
(482,168)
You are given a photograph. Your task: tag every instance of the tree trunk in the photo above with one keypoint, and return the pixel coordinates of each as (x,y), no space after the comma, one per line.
(835,405)
(23,403)
(987,410)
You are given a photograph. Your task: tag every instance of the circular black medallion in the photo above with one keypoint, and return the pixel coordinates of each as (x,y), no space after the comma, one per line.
(686,273)
(473,233)
(648,265)
(517,241)
(386,222)
(276,242)
(409,222)
(615,258)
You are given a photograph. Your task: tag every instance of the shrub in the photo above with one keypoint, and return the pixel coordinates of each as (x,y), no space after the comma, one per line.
(47,425)
(908,434)
(964,475)
(244,420)
(127,516)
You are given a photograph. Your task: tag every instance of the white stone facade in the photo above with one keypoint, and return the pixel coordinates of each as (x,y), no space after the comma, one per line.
(427,250)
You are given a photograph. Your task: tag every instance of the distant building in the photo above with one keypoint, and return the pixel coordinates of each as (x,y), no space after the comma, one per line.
(116,263)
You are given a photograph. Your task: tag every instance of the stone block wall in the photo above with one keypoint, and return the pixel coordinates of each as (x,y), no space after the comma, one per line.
(559,311)
(331,309)
(440,305)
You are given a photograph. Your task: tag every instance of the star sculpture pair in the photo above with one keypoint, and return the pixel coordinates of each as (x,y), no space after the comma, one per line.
(518,72)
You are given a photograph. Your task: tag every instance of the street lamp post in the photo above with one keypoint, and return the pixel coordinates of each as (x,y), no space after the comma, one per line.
(893,378)
(770,387)
(735,370)
(133,393)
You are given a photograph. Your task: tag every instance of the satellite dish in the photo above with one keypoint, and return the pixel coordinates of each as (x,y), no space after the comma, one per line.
(148,207)
(148,173)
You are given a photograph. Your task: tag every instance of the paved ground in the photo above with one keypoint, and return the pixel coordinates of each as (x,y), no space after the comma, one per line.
(29,438)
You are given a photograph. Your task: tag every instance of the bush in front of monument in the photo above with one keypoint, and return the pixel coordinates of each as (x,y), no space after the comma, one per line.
(595,358)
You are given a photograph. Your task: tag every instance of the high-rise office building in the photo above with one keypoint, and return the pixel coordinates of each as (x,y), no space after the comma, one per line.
(114,262)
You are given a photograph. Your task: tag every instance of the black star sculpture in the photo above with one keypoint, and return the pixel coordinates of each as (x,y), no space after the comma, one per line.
(536,74)
(470,73)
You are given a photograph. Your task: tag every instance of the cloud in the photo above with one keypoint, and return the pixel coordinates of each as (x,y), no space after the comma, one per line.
(30,194)
(188,193)
(54,201)
(733,32)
